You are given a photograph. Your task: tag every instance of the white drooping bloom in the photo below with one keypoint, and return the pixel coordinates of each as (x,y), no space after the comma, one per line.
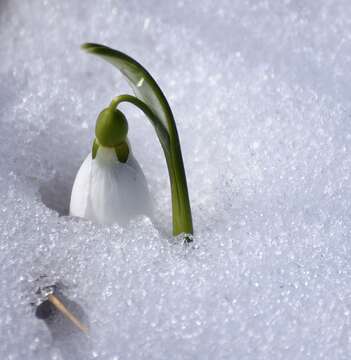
(107,191)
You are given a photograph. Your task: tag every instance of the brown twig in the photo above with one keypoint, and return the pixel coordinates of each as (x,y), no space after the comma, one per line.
(62,308)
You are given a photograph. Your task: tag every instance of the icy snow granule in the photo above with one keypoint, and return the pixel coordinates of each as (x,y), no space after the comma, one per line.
(260,91)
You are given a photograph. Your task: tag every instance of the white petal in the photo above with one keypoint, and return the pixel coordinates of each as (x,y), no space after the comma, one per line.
(80,190)
(107,191)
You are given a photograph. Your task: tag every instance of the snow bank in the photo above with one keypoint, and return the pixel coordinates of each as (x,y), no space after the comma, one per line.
(260,92)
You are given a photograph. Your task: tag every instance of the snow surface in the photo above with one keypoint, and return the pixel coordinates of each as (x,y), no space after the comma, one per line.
(261,95)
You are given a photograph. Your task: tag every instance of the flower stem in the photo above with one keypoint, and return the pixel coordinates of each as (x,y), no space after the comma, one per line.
(181,211)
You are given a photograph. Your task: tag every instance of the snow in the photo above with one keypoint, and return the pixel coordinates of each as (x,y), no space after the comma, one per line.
(260,92)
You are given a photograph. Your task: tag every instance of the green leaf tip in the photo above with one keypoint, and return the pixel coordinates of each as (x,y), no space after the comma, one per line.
(150,99)
(89,47)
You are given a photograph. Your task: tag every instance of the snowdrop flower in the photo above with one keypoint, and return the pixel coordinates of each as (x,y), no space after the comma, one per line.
(110,185)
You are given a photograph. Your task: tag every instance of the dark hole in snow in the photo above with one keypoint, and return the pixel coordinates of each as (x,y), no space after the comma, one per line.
(44,310)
